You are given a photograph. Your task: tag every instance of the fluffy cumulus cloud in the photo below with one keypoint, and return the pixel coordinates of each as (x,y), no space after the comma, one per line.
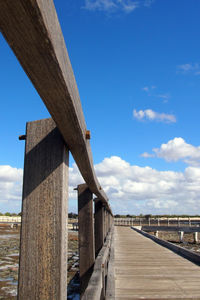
(130,188)
(151,115)
(133,189)
(10,188)
(126,6)
(177,149)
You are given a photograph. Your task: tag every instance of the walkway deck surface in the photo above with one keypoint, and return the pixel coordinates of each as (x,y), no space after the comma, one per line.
(146,270)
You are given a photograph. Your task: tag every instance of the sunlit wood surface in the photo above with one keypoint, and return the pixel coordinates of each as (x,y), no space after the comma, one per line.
(146,270)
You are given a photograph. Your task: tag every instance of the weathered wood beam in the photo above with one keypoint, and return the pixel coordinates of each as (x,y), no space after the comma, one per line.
(32,30)
(43,252)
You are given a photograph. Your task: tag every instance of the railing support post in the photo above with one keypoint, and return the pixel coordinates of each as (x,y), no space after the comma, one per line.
(86,235)
(104,221)
(196,237)
(43,252)
(99,226)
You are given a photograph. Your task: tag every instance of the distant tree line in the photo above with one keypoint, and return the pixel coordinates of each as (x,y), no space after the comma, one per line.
(8,214)
(72,215)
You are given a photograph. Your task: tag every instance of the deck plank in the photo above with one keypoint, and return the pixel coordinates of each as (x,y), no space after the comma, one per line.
(146,270)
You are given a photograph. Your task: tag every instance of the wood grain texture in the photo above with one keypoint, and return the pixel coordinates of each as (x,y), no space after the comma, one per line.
(32,30)
(96,286)
(99,227)
(146,270)
(86,234)
(43,253)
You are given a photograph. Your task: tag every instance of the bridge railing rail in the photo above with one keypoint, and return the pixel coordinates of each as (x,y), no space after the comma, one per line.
(173,221)
(33,32)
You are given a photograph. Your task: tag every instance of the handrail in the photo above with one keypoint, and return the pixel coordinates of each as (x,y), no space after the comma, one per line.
(38,43)
(97,281)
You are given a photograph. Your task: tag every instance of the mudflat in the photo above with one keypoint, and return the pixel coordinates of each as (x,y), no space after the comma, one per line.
(9,259)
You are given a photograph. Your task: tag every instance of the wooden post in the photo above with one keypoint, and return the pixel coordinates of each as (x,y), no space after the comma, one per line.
(196,237)
(104,222)
(43,252)
(99,226)
(86,235)
(181,236)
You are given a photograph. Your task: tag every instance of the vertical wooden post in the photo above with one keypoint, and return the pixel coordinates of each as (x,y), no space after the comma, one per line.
(86,235)
(181,236)
(43,252)
(196,237)
(105,224)
(99,226)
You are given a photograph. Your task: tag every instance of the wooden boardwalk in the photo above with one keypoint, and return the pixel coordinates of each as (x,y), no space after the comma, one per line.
(146,270)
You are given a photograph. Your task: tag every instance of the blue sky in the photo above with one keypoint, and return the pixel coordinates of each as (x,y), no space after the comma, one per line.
(137,67)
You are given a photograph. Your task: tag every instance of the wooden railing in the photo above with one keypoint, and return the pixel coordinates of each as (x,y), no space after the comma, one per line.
(173,221)
(32,30)
(102,283)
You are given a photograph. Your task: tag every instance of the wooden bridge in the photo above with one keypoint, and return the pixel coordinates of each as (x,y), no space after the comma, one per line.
(147,270)
(114,264)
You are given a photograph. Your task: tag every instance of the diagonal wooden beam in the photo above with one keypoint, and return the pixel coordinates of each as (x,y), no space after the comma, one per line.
(32,30)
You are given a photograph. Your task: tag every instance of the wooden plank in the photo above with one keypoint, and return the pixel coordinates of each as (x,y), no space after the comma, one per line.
(38,43)
(144,269)
(192,256)
(43,253)
(99,226)
(86,235)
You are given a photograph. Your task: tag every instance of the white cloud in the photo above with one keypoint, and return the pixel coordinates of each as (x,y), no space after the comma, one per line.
(192,68)
(100,5)
(126,6)
(130,188)
(10,188)
(150,92)
(165,97)
(147,155)
(178,149)
(151,115)
(133,189)
(175,150)
(147,89)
